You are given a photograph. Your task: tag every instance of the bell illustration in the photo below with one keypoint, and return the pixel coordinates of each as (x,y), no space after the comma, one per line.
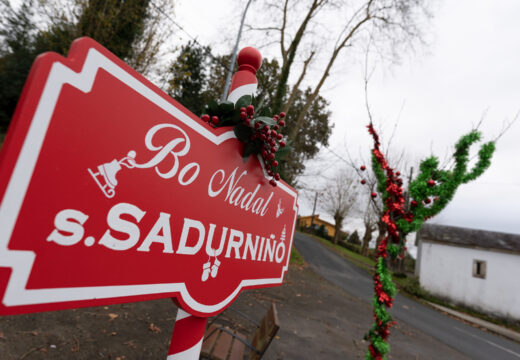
(106,175)
(109,171)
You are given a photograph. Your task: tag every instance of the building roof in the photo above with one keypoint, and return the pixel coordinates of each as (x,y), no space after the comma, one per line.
(316,218)
(470,237)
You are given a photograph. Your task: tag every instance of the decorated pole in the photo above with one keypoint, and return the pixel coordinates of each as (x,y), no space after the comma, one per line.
(187,337)
(430,191)
(188,331)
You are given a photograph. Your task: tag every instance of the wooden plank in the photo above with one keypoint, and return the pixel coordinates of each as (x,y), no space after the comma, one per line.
(222,347)
(265,333)
(207,344)
(237,350)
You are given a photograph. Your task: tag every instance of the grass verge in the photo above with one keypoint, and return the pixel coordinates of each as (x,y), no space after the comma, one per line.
(296,257)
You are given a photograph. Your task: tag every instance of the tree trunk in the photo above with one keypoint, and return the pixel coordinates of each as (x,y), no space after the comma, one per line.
(366,239)
(337,230)
(289,58)
(324,76)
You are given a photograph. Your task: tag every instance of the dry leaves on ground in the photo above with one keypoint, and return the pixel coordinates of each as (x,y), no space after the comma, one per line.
(154,328)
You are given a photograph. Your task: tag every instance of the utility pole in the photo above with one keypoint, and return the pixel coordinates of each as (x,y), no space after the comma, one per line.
(314,209)
(234,56)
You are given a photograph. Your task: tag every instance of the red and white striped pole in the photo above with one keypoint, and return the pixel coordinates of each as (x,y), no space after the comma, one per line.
(188,331)
(244,80)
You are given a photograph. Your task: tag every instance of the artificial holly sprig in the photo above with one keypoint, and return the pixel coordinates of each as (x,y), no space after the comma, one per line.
(430,191)
(255,127)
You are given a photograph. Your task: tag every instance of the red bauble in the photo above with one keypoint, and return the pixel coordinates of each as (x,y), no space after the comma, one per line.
(205,117)
(281,123)
(373,194)
(282,144)
(398,173)
(427,200)
(414,203)
(215,120)
(363,167)
(279,136)
(282,115)
(272,182)
(277,176)
(250,109)
(431,182)
(363,181)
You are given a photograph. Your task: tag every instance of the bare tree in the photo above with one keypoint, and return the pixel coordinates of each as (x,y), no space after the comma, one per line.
(339,198)
(389,24)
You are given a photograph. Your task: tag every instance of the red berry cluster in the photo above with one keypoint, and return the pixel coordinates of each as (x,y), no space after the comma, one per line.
(268,136)
(213,120)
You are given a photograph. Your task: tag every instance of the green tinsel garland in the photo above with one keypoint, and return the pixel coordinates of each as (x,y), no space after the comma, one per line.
(430,184)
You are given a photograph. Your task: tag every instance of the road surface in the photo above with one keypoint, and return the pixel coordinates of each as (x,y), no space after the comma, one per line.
(473,342)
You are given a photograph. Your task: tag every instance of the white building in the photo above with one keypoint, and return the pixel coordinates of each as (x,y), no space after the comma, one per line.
(480,269)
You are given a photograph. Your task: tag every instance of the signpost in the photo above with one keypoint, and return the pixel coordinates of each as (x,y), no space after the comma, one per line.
(113,192)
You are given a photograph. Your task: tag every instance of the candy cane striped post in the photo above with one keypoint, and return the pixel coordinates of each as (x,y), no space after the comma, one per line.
(188,333)
(244,80)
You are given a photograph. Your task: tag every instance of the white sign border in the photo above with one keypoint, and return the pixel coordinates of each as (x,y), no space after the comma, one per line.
(21,262)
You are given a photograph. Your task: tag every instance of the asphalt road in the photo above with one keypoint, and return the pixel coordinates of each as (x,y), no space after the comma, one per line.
(473,342)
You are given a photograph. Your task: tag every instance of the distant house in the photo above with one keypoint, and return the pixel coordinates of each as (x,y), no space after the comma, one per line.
(477,268)
(305,221)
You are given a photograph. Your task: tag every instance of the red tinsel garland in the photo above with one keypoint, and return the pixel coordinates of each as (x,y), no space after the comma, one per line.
(395,209)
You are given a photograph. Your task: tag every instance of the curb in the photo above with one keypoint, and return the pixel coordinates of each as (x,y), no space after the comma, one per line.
(510,334)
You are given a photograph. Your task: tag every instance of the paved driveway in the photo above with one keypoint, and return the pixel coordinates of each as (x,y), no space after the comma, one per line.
(473,342)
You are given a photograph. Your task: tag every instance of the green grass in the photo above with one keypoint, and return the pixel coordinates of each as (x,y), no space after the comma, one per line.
(296,257)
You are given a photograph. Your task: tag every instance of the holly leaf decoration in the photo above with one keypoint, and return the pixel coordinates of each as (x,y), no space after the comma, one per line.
(243,132)
(227,106)
(212,107)
(250,148)
(257,139)
(243,101)
(266,120)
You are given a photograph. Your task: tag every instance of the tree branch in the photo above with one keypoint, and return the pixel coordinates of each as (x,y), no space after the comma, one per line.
(298,83)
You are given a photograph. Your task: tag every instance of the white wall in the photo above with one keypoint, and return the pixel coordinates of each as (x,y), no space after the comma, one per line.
(448,271)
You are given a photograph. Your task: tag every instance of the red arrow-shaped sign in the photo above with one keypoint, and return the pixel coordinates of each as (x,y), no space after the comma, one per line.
(114,192)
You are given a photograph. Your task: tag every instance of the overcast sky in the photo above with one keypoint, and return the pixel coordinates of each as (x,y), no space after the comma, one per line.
(472,64)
